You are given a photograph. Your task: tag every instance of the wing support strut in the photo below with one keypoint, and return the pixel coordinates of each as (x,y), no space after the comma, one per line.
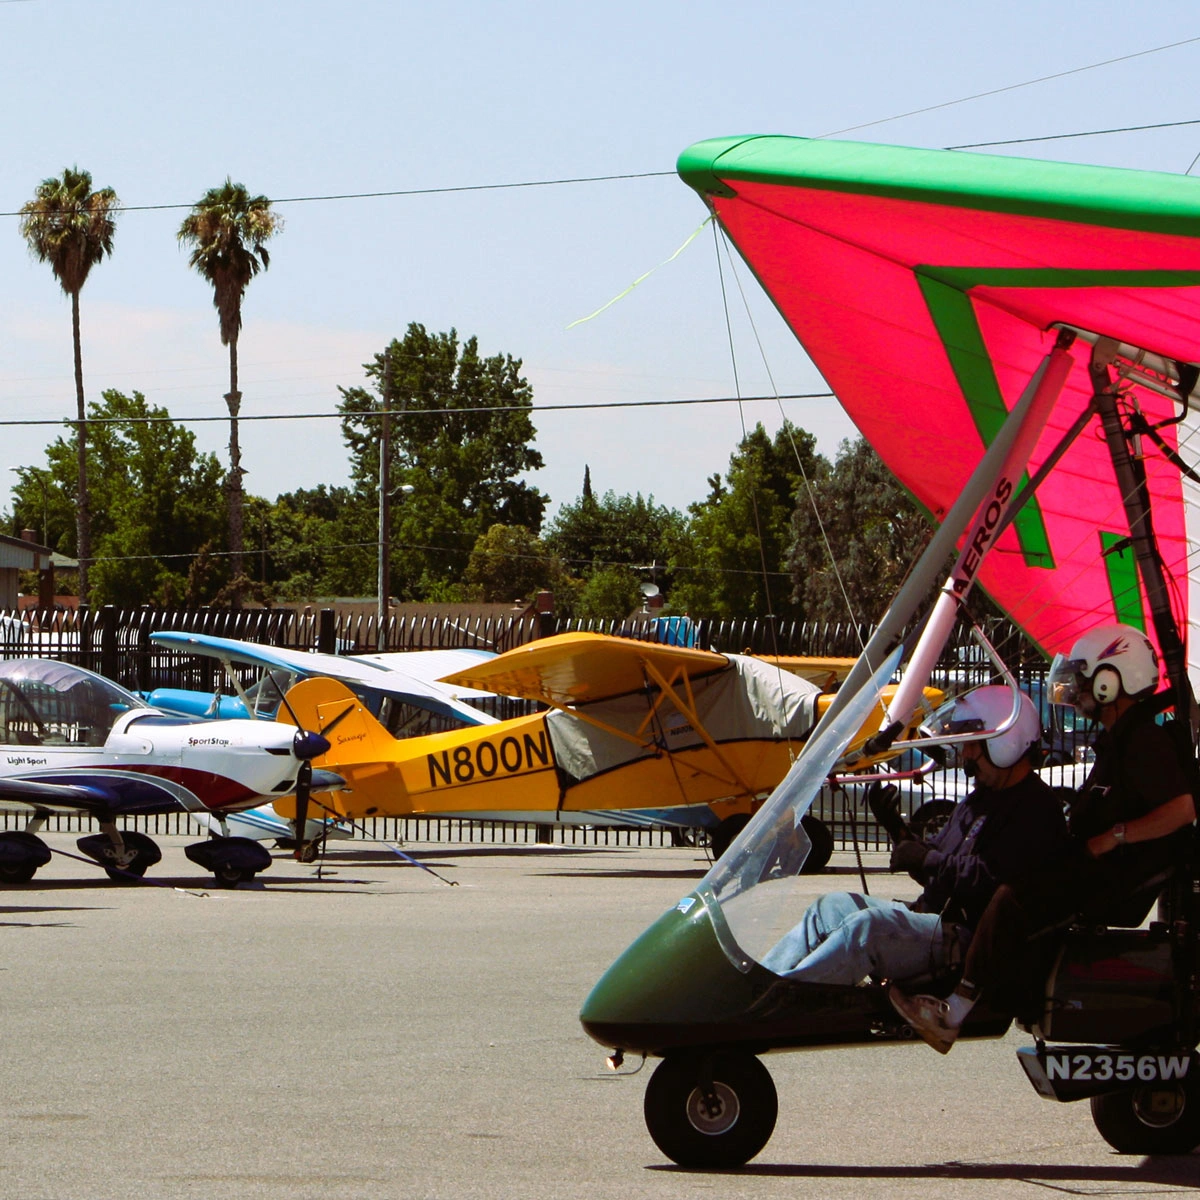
(996,478)
(1135,494)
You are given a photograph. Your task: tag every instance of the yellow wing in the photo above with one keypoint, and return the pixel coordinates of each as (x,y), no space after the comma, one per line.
(578,668)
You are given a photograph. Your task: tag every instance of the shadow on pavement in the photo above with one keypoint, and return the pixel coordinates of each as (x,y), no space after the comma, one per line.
(632,873)
(499,850)
(1174,1169)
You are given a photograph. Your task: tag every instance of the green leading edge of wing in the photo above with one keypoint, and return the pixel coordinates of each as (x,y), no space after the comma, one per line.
(1108,196)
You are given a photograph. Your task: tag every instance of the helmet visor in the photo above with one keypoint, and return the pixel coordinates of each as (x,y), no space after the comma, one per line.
(1066,681)
(943,725)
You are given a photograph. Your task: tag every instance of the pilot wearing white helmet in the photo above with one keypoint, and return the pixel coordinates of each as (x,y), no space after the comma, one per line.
(1007,826)
(1130,822)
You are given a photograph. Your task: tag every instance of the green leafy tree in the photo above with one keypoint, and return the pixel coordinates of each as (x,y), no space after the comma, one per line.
(510,563)
(316,542)
(609,594)
(227,232)
(153,492)
(626,532)
(460,441)
(732,559)
(855,541)
(46,505)
(71,227)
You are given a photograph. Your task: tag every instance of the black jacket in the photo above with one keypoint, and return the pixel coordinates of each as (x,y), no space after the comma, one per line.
(991,838)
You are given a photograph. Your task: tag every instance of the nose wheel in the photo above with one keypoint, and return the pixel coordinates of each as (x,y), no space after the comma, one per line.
(713,1111)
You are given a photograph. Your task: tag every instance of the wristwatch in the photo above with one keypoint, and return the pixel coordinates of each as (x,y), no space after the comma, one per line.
(1118,832)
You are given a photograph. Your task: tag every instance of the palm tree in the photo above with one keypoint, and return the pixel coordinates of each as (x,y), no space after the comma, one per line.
(71,227)
(227,231)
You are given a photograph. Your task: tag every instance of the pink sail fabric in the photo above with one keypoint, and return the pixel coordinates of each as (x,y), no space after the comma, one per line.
(927,288)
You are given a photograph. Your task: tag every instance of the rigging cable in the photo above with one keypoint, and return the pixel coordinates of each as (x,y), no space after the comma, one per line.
(811,493)
(1012,87)
(737,387)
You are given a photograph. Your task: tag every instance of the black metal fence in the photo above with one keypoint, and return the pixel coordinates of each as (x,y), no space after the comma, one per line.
(116,643)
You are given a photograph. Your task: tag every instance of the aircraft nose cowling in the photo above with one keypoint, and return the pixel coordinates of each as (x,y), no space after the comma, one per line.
(307,745)
(673,987)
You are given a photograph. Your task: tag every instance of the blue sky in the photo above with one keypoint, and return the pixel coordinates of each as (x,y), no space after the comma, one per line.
(163,100)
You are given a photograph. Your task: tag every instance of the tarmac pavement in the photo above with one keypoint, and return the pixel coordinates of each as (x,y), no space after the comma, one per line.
(377,1033)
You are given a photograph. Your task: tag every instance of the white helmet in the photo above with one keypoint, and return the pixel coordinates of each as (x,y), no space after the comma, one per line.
(1104,664)
(986,708)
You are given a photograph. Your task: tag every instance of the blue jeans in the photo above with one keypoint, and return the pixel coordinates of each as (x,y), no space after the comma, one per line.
(844,937)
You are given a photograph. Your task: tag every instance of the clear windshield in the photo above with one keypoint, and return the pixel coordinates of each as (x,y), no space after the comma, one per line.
(755,884)
(46,703)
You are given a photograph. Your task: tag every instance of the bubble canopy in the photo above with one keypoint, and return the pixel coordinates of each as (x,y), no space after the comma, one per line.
(45,702)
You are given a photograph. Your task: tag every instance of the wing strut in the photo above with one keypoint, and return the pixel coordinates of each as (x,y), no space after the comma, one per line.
(1135,494)
(1012,450)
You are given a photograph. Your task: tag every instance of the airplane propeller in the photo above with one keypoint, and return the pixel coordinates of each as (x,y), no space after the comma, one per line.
(306,746)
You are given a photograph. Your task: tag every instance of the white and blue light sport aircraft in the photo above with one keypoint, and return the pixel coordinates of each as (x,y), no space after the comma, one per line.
(74,742)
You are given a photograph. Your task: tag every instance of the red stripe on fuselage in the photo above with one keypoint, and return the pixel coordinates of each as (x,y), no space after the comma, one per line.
(216,792)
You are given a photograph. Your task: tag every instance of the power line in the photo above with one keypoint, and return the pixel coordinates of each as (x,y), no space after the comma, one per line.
(281,556)
(625,175)
(1055,137)
(1012,87)
(430,191)
(422,412)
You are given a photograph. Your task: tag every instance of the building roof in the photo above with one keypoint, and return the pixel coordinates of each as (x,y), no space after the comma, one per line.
(21,555)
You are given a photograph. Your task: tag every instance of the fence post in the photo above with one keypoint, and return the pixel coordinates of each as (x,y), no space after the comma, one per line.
(108,642)
(544,607)
(326,634)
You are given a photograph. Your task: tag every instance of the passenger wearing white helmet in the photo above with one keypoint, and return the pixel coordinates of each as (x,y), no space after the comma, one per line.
(1130,821)
(1004,828)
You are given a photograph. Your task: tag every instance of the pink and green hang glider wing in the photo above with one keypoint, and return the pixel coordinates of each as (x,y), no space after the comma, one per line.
(925,285)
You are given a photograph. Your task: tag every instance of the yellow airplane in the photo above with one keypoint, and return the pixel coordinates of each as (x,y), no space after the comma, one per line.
(634,731)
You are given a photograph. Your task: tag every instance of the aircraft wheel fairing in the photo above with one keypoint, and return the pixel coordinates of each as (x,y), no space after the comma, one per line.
(98,846)
(1161,1118)
(232,860)
(21,854)
(714,1112)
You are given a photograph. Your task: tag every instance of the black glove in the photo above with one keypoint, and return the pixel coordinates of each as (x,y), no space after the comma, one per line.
(881,801)
(909,855)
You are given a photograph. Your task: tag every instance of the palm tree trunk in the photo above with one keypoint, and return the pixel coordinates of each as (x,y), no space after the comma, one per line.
(234,482)
(83,524)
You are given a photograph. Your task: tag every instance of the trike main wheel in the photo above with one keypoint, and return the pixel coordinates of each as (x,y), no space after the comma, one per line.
(718,1112)
(1160,1118)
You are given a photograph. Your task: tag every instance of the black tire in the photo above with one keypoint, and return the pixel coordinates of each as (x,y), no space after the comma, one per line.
(724,833)
(822,844)
(725,1129)
(230,877)
(21,873)
(931,818)
(1160,1118)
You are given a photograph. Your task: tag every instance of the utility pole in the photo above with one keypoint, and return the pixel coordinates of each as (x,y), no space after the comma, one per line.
(385,510)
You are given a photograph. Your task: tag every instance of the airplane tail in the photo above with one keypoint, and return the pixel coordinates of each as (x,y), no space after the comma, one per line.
(360,749)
